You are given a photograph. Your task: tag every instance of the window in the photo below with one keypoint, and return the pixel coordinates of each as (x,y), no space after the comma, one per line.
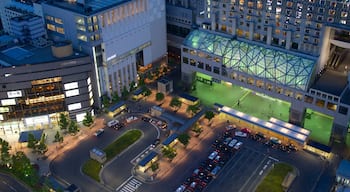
(82,37)
(185,60)
(51,27)
(344,14)
(60,30)
(58,20)
(331,12)
(80,20)
(48,17)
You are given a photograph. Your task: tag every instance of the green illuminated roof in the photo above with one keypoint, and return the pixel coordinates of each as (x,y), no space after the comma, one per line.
(276,66)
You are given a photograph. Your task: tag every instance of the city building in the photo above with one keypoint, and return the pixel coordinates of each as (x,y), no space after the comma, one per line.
(39,83)
(294,51)
(121,36)
(13,8)
(180,19)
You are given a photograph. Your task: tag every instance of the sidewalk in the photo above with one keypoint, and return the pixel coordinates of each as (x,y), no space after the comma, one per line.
(55,149)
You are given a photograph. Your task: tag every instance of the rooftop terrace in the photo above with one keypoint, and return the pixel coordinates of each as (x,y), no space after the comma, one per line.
(23,55)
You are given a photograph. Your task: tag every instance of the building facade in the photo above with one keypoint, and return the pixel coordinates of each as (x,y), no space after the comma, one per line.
(37,84)
(180,19)
(290,50)
(120,36)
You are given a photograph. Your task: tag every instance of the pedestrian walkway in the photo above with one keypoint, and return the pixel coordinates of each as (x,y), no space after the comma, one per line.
(129,185)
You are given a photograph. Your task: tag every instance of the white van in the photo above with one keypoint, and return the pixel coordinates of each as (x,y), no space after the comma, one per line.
(112,123)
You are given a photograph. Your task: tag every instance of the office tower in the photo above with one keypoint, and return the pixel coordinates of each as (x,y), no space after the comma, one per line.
(120,36)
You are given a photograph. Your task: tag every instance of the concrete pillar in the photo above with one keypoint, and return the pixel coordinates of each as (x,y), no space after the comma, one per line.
(251,30)
(269,35)
(234,26)
(213,21)
(288,40)
(325,48)
(297,113)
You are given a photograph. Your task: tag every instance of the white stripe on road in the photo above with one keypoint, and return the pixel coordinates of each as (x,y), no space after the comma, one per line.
(273,158)
(130,185)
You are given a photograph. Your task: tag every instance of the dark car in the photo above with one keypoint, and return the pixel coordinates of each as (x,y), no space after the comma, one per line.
(145,119)
(155,143)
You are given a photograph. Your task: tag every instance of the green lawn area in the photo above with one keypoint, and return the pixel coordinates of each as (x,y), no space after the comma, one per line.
(92,168)
(272,182)
(320,126)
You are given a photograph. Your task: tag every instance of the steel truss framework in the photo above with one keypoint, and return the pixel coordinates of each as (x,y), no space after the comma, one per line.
(273,65)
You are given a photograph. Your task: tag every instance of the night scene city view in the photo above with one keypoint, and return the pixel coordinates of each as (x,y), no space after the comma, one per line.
(174,95)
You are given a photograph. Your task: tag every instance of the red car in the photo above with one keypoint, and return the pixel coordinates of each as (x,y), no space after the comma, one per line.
(246,130)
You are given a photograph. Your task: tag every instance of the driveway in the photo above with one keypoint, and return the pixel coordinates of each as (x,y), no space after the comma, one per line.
(67,166)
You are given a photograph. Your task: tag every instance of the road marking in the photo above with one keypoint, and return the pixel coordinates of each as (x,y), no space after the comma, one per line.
(274,159)
(130,185)
(261,172)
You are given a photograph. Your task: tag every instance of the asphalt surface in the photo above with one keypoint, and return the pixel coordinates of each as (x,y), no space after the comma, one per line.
(68,166)
(9,184)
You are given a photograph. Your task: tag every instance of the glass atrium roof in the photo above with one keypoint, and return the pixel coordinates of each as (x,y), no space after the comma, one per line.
(277,66)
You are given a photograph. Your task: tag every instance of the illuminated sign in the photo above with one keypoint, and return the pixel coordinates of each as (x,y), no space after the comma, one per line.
(6,102)
(4,109)
(73,92)
(74,106)
(14,94)
(72,85)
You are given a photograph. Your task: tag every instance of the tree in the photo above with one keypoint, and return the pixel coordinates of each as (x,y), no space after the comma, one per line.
(132,86)
(31,141)
(63,122)
(5,154)
(23,169)
(193,109)
(125,92)
(154,166)
(146,91)
(115,97)
(159,96)
(105,100)
(197,129)
(141,81)
(209,115)
(42,147)
(175,103)
(73,127)
(169,152)
(58,137)
(184,138)
(88,120)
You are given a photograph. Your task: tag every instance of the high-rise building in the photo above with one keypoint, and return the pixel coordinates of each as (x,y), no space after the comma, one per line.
(120,36)
(294,50)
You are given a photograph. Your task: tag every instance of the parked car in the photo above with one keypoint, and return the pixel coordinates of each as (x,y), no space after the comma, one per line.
(232,143)
(240,134)
(246,130)
(99,132)
(145,119)
(238,145)
(181,188)
(213,155)
(227,140)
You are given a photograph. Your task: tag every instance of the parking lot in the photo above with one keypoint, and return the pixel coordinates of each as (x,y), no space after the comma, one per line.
(243,172)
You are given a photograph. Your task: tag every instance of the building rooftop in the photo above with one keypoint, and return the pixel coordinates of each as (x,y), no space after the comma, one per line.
(279,66)
(326,84)
(90,7)
(344,169)
(27,54)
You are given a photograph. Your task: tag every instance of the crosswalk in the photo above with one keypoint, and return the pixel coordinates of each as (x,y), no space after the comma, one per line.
(130,185)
